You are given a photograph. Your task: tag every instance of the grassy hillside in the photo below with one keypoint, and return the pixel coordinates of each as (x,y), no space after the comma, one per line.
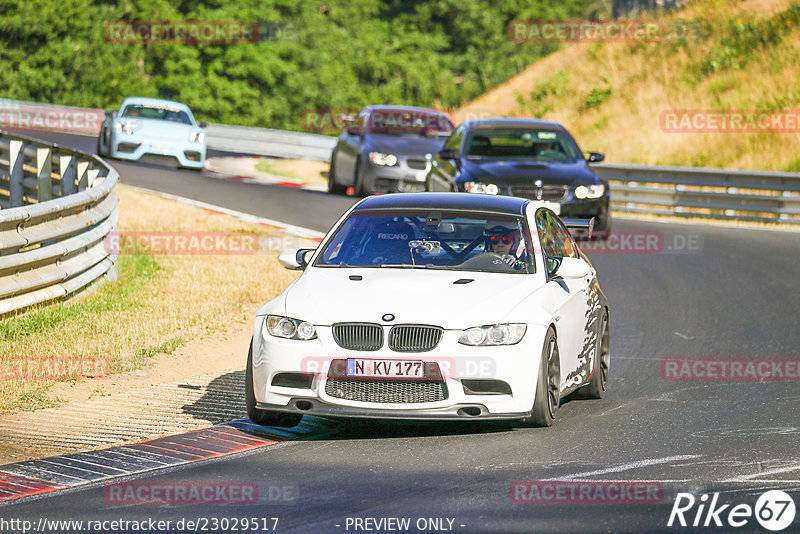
(323,54)
(734,55)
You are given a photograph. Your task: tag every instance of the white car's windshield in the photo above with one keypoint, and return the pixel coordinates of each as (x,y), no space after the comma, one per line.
(157,113)
(431,239)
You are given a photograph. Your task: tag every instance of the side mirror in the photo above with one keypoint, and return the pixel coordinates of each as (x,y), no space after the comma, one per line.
(295,259)
(353,130)
(202,124)
(572,268)
(595,157)
(446,153)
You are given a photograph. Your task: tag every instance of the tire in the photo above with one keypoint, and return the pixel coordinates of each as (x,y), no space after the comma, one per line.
(333,187)
(596,388)
(548,384)
(264,417)
(358,182)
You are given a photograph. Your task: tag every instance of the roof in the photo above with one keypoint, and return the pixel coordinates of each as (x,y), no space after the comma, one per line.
(391,107)
(155,102)
(446,201)
(505,122)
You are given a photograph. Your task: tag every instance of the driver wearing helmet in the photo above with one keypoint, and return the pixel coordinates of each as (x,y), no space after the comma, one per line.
(504,242)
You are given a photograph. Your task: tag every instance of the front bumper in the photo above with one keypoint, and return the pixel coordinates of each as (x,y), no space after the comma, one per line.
(131,147)
(516,365)
(408,176)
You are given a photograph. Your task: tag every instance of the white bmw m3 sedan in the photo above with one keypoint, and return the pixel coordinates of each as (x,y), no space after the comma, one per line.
(433,306)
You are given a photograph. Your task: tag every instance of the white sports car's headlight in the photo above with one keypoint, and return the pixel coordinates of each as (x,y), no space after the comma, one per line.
(286,327)
(590,191)
(197,137)
(123,128)
(498,334)
(379,158)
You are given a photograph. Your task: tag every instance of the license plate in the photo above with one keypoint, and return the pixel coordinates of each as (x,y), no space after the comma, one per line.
(161,149)
(385,368)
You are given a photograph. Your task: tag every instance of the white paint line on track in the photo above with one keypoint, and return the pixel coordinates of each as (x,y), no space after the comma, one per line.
(298,231)
(629,466)
(755,476)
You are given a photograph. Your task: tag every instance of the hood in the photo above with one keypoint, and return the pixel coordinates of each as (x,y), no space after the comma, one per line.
(325,296)
(404,145)
(511,172)
(157,129)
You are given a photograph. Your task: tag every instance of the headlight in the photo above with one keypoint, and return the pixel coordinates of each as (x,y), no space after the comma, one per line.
(379,158)
(477,187)
(590,191)
(197,137)
(286,327)
(123,128)
(499,334)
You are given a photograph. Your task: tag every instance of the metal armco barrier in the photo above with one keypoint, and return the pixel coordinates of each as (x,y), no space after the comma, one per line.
(265,142)
(710,193)
(57,206)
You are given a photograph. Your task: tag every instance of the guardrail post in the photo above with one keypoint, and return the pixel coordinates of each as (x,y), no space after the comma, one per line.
(66,167)
(15,173)
(44,170)
(83,177)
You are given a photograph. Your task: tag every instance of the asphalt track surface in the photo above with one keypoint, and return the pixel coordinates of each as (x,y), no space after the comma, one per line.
(719,293)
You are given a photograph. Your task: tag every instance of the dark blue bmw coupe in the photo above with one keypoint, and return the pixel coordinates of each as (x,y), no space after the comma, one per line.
(526,158)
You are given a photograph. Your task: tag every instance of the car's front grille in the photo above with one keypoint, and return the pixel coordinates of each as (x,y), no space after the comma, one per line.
(553,193)
(358,336)
(386,391)
(417,164)
(127,148)
(191,155)
(414,338)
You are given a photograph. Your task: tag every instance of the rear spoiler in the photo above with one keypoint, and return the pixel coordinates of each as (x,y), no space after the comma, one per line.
(582,225)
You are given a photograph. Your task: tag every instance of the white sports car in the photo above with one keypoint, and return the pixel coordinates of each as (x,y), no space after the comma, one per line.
(433,306)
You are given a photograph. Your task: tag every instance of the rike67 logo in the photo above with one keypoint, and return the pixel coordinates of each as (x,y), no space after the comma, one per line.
(774,510)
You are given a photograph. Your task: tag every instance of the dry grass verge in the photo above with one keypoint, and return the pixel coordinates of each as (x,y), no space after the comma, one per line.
(158,303)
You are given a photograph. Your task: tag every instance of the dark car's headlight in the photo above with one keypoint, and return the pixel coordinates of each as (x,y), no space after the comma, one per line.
(590,191)
(123,128)
(478,187)
(385,160)
(498,334)
(286,327)
(197,137)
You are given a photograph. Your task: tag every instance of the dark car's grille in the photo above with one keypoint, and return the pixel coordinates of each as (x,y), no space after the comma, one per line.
(414,338)
(386,391)
(358,336)
(416,163)
(553,193)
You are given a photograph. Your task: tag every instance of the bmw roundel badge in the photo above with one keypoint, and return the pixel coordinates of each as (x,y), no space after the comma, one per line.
(388,317)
